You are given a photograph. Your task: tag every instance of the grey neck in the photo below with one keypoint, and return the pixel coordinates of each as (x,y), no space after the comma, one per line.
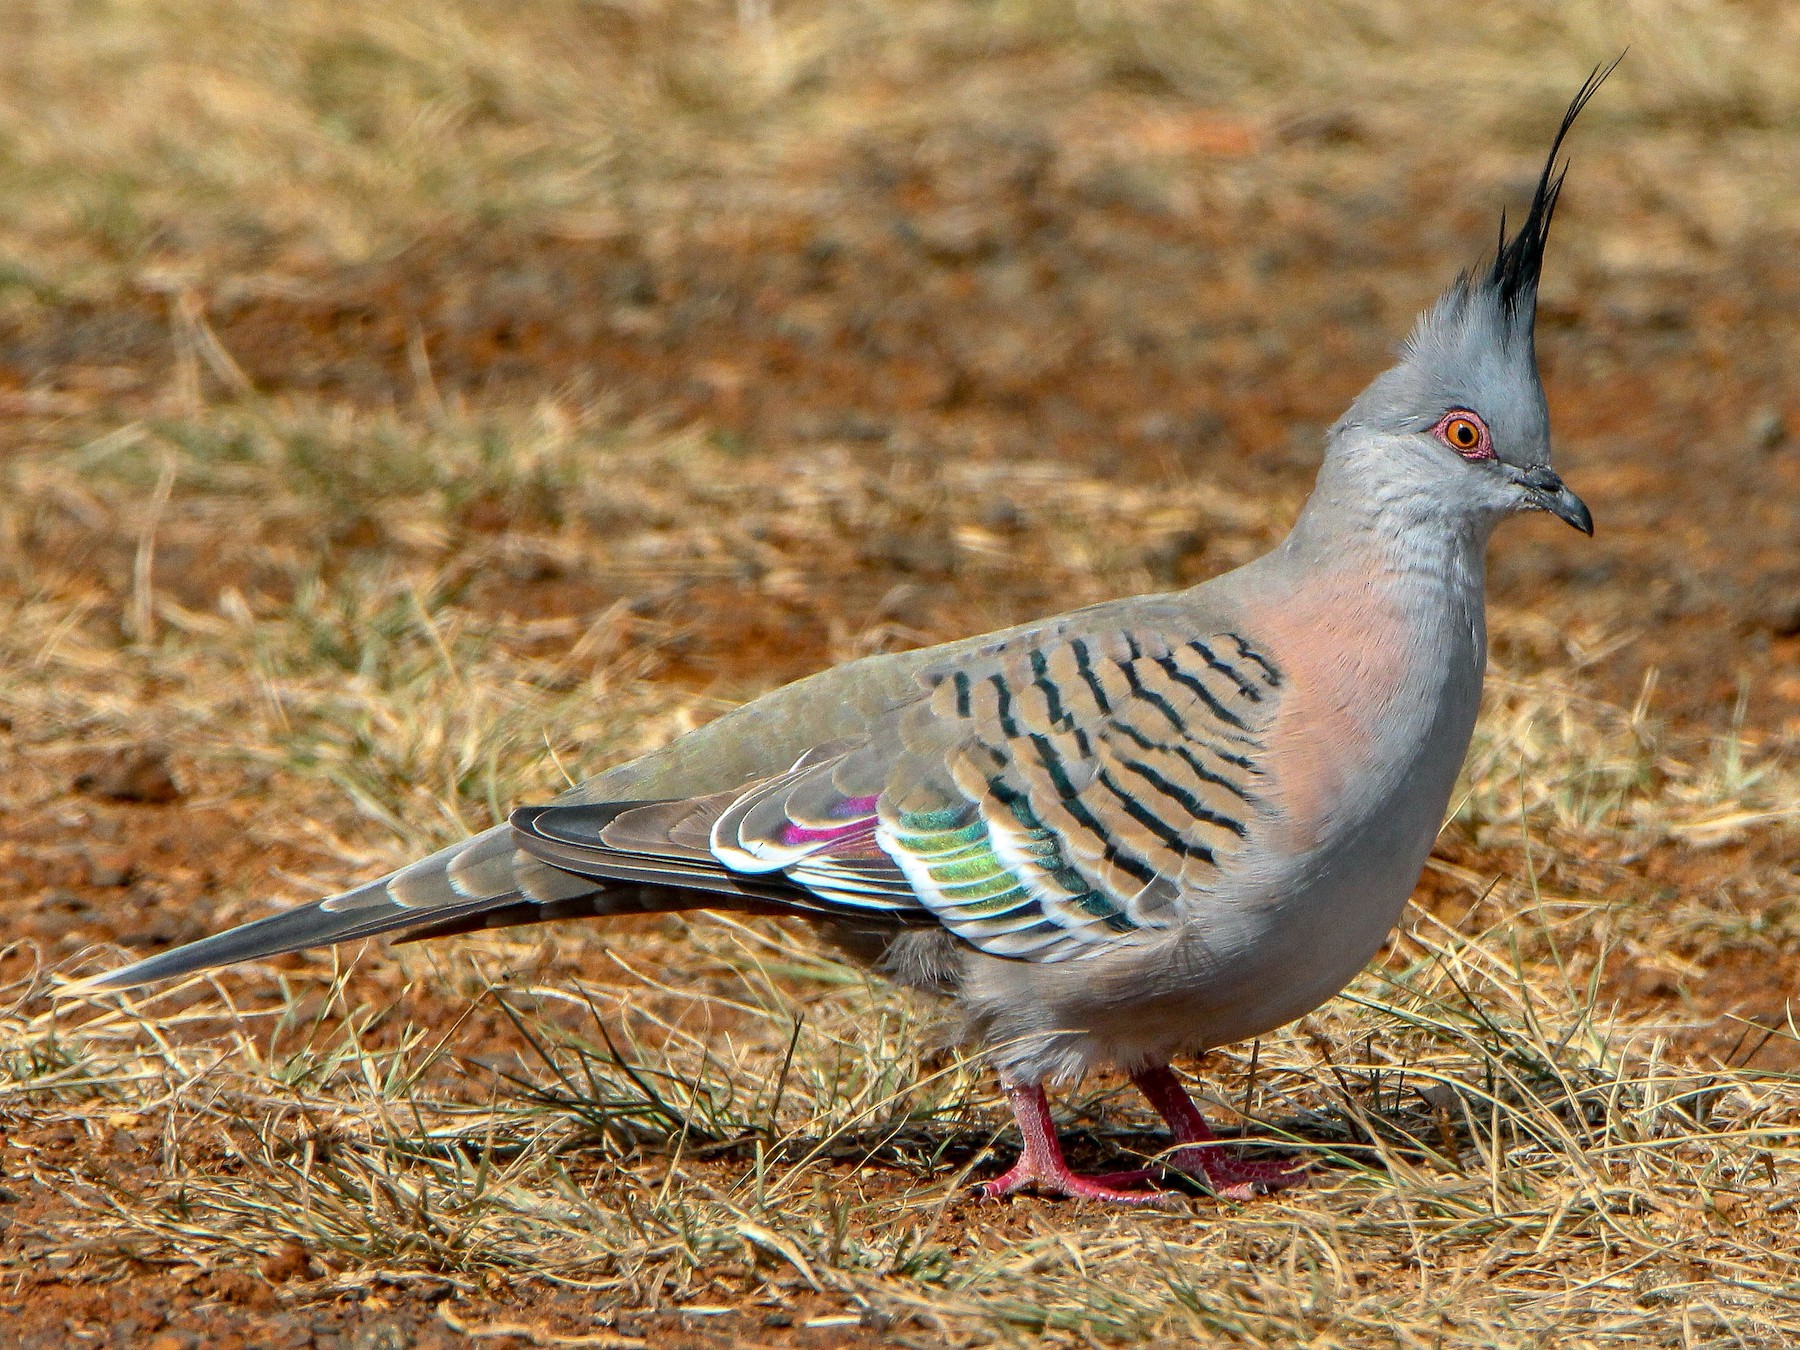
(1388,527)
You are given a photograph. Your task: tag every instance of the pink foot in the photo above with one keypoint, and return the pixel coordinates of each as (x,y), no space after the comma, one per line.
(1201,1157)
(1237,1178)
(1042,1167)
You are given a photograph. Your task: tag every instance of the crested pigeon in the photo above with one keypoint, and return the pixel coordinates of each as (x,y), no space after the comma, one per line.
(1151,826)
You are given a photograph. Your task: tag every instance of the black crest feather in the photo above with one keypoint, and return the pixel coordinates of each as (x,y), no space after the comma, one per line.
(1517,264)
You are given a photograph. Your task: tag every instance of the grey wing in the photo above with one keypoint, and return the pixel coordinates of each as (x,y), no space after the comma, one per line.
(1091,782)
(1046,797)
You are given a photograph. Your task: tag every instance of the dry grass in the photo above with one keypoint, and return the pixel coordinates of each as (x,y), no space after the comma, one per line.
(1499,1161)
(214,140)
(359,631)
(707,1115)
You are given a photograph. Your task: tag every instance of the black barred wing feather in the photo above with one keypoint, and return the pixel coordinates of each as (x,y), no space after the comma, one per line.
(1091,781)
(1049,796)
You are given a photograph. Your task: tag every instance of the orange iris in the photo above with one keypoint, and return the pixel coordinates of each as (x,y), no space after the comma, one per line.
(1462,433)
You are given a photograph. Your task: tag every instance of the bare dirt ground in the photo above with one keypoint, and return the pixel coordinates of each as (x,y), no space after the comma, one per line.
(400,412)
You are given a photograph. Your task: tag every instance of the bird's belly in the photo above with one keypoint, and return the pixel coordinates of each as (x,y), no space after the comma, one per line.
(1304,950)
(1246,970)
(1234,972)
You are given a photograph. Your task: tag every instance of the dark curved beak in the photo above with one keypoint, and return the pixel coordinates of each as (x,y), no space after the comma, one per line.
(1546,492)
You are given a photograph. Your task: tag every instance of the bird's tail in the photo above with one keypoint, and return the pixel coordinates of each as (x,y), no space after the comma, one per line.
(482,882)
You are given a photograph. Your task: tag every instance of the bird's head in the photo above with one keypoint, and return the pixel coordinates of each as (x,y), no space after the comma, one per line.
(1461,418)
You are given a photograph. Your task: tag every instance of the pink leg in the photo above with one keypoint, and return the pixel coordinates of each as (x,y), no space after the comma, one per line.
(1041,1165)
(1202,1156)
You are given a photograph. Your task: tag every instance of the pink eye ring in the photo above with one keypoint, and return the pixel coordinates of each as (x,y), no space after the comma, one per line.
(1465,433)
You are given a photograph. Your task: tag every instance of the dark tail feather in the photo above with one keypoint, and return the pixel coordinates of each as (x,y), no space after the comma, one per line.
(606,904)
(453,889)
(315,926)
(291,931)
(542,868)
(482,883)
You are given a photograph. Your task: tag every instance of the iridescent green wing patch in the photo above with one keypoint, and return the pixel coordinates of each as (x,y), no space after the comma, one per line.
(1081,784)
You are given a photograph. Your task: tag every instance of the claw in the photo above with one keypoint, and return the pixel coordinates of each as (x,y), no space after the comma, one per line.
(1235,1179)
(1202,1157)
(1111,1188)
(1041,1165)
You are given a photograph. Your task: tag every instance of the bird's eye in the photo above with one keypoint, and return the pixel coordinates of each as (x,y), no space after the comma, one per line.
(1465,433)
